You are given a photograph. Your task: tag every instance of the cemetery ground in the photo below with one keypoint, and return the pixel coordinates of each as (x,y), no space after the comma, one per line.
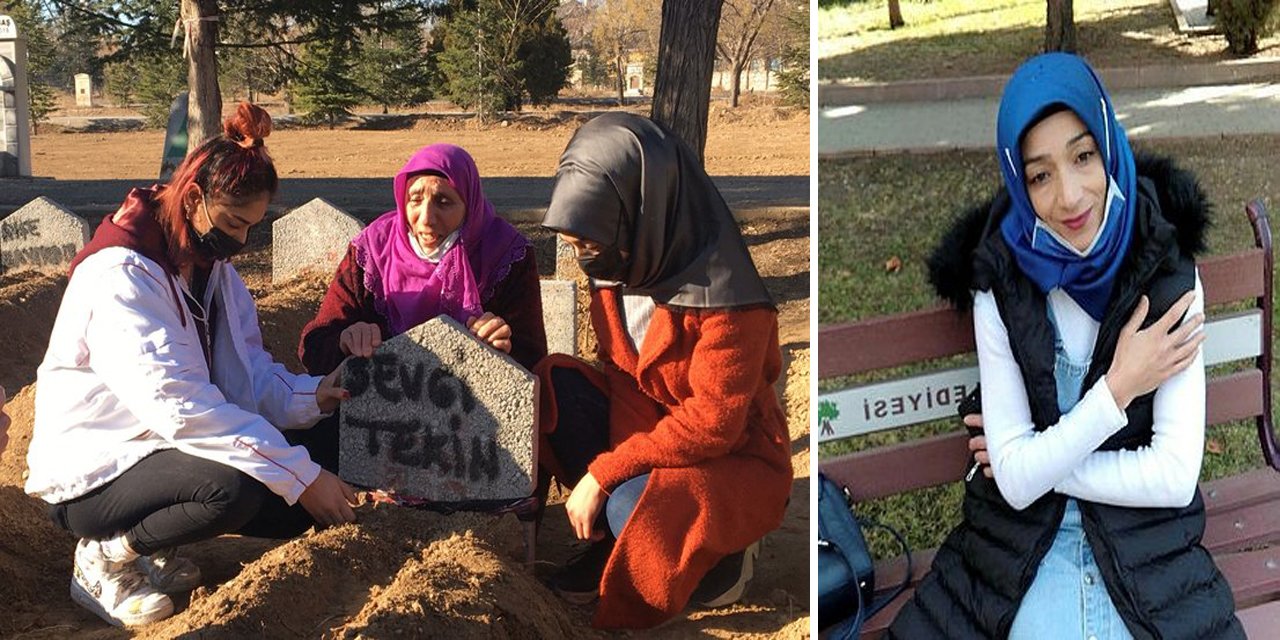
(398,572)
(879,218)
(951,38)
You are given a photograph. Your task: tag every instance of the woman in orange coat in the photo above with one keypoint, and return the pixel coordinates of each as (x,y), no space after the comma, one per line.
(675,445)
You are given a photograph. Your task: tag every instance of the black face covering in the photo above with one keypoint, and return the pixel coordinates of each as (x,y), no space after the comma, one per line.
(214,244)
(606,264)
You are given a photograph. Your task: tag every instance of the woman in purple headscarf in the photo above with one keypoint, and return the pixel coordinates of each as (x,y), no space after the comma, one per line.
(442,250)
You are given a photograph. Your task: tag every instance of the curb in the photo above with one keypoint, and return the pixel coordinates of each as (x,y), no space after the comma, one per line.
(832,94)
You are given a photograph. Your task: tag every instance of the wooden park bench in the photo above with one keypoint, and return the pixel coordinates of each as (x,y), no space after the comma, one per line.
(1243,511)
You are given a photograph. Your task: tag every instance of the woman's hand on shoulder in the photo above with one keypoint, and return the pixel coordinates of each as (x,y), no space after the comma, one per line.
(493,330)
(360,339)
(1145,358)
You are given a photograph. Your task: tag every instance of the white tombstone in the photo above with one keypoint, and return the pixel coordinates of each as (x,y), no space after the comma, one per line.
(437,415)
(560,315)
(84,90)
(15,105)
(312,237)
(42,234)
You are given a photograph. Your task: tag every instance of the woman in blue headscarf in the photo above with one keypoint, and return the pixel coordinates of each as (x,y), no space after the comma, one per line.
(1087,312)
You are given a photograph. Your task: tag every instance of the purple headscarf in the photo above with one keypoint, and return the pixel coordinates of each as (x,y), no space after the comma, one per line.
(408,290)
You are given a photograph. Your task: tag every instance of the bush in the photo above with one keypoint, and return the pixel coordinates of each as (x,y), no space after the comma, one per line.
(1244,22)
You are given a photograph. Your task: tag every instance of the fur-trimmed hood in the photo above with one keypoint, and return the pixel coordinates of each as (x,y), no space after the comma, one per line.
(1183,204)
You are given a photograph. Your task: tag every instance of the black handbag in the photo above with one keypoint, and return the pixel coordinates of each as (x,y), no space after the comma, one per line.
(846,571)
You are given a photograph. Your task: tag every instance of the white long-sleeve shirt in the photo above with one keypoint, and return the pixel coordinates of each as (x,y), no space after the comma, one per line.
(1062,458)
(123,378)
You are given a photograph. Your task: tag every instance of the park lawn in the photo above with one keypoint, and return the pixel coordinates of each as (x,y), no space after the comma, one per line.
(874,210)
(953,38)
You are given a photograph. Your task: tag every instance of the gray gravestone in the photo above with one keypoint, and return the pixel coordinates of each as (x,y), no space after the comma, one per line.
(41,234)
(312,237)
(84,90)
(566,261)
(560,315)
(435,414)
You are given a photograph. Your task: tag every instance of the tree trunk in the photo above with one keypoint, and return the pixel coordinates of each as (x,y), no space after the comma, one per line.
(1060,27)
(620,70)
(204,117)
(735,83)
(895,15)
(686,57)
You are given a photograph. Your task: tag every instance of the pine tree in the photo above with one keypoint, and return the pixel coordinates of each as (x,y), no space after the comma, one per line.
(326,89)
(793,79)
(394,69)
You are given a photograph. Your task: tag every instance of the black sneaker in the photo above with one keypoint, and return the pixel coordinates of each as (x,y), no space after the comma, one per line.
(725,583)
(578,582)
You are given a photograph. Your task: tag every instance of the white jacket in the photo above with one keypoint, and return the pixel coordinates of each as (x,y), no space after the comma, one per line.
(125,376)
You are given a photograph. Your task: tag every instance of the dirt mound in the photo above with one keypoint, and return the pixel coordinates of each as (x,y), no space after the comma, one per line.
(28,304)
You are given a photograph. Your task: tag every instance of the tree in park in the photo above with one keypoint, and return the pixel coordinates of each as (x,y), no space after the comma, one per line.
(618,30)
(394,69)
(793,79)
(740,25)
(895,15)
(686,57)
(326,89)
(481,63)
(1060,27)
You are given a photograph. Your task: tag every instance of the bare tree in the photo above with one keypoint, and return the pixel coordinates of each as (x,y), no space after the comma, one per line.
(1060,27)
(204,114)
(618,29)
(895,15)
(740,24)
(686,58)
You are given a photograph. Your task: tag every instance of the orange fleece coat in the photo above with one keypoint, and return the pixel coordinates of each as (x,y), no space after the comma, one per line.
(696,408)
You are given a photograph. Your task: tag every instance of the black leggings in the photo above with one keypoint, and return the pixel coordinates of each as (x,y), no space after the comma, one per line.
(172,498)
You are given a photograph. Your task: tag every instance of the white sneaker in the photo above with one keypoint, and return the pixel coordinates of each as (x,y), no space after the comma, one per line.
(115,591)
(169,572)
(727,581)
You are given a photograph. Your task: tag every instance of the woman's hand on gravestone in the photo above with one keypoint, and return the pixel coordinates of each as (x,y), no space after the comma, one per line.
(1145,358)
(360,339)
(329,393)
(493,330)
(584,506)
(329,500)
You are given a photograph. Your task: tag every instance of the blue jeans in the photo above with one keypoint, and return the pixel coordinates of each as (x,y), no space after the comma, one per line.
(1067,599)
(623,501)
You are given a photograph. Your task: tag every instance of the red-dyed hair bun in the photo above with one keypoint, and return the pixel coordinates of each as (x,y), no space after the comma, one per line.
(249,126)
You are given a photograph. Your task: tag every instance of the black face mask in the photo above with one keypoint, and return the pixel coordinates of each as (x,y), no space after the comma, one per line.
(214,244)
(606,264)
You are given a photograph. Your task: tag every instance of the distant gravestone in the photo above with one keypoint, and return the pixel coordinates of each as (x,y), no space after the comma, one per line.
(560,315)
(437,415)
(84,90)
(15,102)
(312,237)
(41,234)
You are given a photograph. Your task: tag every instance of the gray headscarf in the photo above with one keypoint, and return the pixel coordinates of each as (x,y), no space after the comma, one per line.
(626,182)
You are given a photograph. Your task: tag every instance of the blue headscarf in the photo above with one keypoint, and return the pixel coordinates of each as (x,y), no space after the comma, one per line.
(1038,86)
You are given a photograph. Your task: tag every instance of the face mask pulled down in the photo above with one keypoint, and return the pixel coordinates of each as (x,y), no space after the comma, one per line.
(605,264)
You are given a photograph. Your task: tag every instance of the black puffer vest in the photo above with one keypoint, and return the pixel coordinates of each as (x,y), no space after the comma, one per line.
(1162,581)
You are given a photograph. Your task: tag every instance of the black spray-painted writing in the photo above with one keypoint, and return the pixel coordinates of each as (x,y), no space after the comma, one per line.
(20,230)
(422,443)
(38,255)
(396,382)
(418,443)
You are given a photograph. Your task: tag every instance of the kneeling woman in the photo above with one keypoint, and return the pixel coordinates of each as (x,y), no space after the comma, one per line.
(676,446)
(158,413)
(1087,310)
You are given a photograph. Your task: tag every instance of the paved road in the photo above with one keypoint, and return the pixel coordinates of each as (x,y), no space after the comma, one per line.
(523,199)
(1146,113)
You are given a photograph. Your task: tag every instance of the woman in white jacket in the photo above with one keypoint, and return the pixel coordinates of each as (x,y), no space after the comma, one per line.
(159,416)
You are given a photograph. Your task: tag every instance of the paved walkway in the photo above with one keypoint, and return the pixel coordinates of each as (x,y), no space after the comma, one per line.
(1207,111)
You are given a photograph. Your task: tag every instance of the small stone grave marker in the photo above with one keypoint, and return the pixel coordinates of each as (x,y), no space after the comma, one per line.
(560,315)
(41,234)
(436,414)
(312,237)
